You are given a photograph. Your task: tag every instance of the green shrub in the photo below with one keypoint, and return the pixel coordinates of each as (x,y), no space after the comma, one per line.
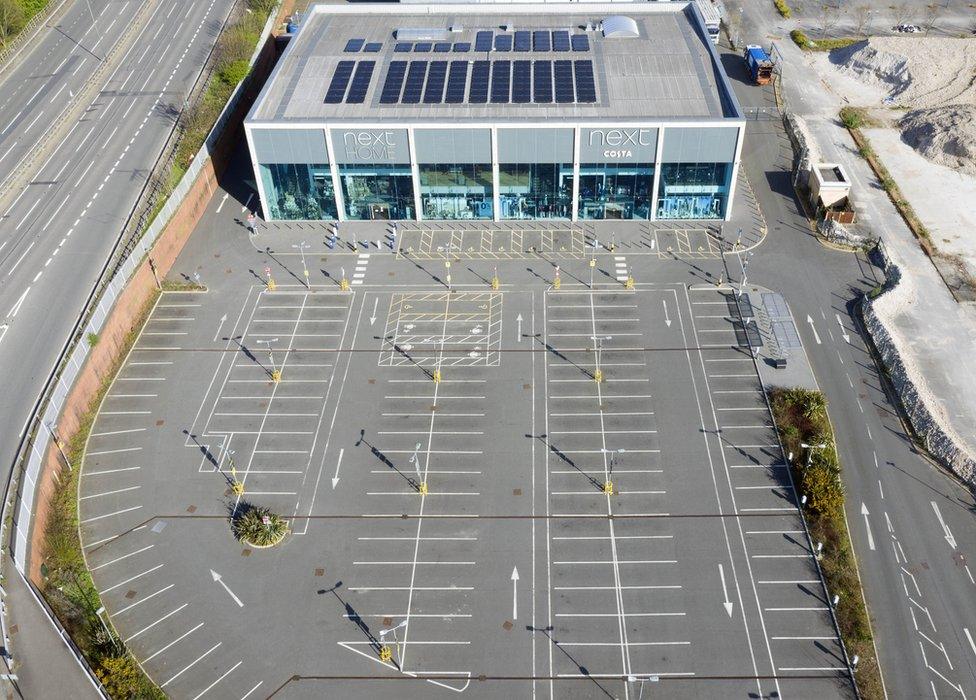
(235,72)
(32,7)
(800,38)
(259,526)
(92,339)
(852,117)
(783,8)
(821,485)
(12,19)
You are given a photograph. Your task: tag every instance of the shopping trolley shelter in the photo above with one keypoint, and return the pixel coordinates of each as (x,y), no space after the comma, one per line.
(562,482)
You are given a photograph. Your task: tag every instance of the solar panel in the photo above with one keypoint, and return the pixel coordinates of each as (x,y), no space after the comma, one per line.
(373,47)
(442,47)
(542,81)
(340,79)
(585,87)
(402,48)
(482,41)
(580,42)
(540,40)
(462,47)
(503,42)
(560,40)
(522,81)
(422,47)
(523,41)
(456,82)
(501,81)
(478,90)
(563,80)
(415,82)
(393,83)
(354,45)
(436,75)
(360,82)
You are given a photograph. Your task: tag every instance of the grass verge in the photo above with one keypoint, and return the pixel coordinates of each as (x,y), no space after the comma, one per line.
(67,585)
(783,9)
(800,38)
(855,120)
(801,417)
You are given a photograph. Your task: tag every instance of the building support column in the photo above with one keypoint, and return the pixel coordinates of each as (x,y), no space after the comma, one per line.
(336,182)
(496,211)
(577,132)
(659,150)
(414,175)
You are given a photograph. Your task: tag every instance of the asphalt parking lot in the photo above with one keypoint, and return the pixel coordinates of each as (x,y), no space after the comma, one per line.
(430,440)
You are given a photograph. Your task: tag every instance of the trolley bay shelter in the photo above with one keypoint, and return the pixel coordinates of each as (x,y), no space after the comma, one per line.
(574,111)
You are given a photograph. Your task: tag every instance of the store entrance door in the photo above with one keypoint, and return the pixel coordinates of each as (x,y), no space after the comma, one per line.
(379,211)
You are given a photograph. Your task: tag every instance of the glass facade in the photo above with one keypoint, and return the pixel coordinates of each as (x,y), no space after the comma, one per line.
(377,191)
(454,167)
(693,190)
(298,191)
(430,173)
(615,190)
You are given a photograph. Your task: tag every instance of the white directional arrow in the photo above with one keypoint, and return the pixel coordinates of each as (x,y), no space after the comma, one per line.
(728,603)
(335,479)
(945,528)
(218,579)
(518,319)
(867,525)
(372,319)
(667,319)
(813,328)
(515,578)
(843,332)
(222,319)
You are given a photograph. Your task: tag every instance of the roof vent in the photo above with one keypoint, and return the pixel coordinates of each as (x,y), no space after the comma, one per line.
(589,27)
(421,34)
(456,29)
(620,27)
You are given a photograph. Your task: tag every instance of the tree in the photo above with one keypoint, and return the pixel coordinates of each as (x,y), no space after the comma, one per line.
(11,19)
(826,19)
(932,15)
(903,12)
(862,18)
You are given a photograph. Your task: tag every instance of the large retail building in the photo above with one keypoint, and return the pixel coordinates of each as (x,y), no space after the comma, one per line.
(520,111)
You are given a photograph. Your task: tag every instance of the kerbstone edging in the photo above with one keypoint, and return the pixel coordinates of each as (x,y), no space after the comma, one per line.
(939,439)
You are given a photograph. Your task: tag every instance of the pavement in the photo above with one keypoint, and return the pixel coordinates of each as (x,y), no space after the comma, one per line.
(413,502)
(57,232)
(913,555)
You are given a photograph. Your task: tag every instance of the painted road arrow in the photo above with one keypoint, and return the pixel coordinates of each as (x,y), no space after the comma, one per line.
(372,319)
(667,319)
(813,328)
(219,579)
(843,331)
(515,578)
(728,603)
(219,325)
(945,528)
(867,525)
(335,479)
(518,338)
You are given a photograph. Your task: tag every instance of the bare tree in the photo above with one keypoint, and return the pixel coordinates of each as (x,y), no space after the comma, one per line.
(11,20)
(903,12)
(826,19)
(932,15)
(862,18)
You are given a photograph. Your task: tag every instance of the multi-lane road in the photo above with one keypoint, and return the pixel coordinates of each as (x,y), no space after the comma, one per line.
(915,539)
(57,231)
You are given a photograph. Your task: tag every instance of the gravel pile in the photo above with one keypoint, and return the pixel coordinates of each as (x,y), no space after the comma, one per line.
(935,78)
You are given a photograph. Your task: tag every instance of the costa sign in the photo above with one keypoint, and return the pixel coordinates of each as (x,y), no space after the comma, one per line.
(633,143)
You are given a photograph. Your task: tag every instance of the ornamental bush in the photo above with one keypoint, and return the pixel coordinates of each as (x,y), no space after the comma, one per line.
(259,526)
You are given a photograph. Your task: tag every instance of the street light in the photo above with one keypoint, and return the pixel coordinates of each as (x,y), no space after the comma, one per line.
(598,352)
(98,614)
(642,678)
(275,372)
(743,264)
(608,467)
(301,249)
(811,448)
(396,640)
(415,461)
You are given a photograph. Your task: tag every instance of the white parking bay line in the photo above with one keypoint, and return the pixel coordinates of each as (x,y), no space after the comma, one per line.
(124,556)
(226,673)
(191,664)
(130,579)
(109,515)
(181,637)
(112,452)
(151,625)
(148,597)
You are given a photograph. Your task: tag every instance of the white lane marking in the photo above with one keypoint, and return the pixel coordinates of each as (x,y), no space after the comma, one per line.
(222,200)
(813,328)
(191,664)
(16,307)
(181,637)
(21,258)
(945,528)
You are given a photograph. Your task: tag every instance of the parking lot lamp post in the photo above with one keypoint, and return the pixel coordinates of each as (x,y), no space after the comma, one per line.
(98,614)
(634,678)
(343,281)
(744,264)
(447,267)
(396,641)
(592,268)
(611,461)
(415,461)
(557,281)
(52,429)
(598,353)
(810,449)
(495,282)
(275,372)
(301,249)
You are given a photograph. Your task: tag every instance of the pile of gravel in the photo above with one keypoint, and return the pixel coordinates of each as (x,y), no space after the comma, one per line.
(944,135)
(935,78)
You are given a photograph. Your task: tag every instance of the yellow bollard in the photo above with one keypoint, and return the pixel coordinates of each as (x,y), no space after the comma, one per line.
(344,284)
(271,284)
(423,488)
(721,280)
(238,488)
(437,376)
(386,654)
(495,284)
(557,283)
(598,375)
(608,488)
(276,376)
(630,282)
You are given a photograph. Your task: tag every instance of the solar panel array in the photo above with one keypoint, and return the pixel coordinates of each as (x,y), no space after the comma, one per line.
(540,40)
(561,81)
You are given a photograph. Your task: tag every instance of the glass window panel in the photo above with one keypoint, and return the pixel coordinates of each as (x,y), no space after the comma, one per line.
(693,190)
(377,191)
(456,190)
(615,190)
(535,190)
(298,191)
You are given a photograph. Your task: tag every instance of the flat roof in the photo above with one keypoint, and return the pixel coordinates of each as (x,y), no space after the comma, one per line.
(670,71)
